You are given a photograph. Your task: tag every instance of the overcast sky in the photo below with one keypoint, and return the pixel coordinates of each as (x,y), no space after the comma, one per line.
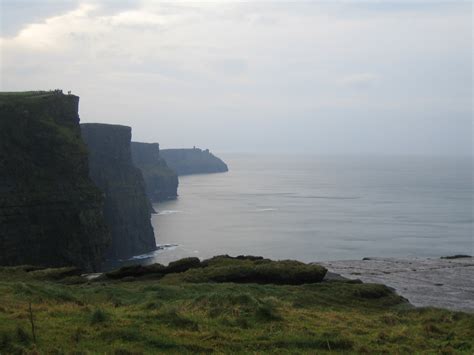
(316,77)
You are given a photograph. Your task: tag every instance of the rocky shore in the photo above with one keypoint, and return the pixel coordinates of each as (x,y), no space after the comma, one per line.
(434,282)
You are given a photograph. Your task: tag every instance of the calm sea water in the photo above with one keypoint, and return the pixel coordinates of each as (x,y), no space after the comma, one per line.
(321,208)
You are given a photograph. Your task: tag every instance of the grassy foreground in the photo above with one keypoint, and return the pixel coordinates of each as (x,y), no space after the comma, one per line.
(190,307)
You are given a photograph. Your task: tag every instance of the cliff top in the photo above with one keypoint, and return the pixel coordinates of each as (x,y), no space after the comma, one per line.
(103,134)
(105,127)
(25,96)
(152,311)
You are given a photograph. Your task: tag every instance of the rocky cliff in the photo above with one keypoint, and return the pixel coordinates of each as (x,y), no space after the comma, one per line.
(161,182)
(193,161)
(127,208)
(50,211)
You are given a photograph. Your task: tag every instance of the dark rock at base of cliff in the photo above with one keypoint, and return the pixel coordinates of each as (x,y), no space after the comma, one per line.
(193,161)
(161,182)
(127,208)
(457,256)
(50,211)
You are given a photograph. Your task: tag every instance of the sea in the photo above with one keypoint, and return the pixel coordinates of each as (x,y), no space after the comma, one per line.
(320,208)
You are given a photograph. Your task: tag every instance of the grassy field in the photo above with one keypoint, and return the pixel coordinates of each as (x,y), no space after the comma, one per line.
(188,310)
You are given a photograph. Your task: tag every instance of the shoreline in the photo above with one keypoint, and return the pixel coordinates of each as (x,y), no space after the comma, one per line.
(424,282)
(442,282)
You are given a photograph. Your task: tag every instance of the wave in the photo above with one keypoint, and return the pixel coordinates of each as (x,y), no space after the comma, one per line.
(159,248)
(329,197)
(167,212)
(166,246)
(266,210)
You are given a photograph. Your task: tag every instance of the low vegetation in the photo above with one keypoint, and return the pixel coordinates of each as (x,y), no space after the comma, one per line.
(223,268)
(191,307)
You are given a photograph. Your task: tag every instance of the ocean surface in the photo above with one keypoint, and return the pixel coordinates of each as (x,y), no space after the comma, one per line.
(314,208)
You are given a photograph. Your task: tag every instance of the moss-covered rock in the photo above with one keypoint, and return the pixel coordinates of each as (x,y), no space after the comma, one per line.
(261,271)
(50,211)
(224,268)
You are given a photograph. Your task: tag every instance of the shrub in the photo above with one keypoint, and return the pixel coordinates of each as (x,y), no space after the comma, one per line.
(267,312)
(132,271)
(182,265)
(98,316)
(135,271)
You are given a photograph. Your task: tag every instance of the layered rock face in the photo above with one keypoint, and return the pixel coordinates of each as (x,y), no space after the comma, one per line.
(127,208)
(161,182)
(50,211)
(193,161)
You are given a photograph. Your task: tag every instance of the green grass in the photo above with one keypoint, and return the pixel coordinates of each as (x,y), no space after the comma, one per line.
(14,97)
(142,314)
(223,268)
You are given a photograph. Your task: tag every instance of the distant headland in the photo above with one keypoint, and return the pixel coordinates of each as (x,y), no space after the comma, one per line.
(193,161)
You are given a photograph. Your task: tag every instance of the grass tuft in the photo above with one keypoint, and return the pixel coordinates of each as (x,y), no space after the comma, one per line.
(172,318)
(268,312)
(98,316)
(22,336)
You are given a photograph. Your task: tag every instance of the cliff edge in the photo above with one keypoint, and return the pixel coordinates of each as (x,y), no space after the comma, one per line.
(127,208)
(50,211)
(161,182)
(193,161)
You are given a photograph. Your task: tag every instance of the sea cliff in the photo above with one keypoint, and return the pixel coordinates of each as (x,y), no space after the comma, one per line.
(50,211)
(161,182)
(193,161)
(127,208)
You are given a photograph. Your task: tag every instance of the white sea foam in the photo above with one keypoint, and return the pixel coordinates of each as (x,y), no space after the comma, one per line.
(159,248)
(266,210)
(166,212)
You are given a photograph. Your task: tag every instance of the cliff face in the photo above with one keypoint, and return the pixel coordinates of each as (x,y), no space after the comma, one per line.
(50,211)
(127,208)
(161,182)
(193,161)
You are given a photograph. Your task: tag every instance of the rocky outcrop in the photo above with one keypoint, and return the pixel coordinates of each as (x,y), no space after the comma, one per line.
(50,211)
(127,208)
(161,182)
(425,282)
(193,161)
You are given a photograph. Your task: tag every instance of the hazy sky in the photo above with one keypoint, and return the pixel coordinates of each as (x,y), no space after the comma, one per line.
(316,77)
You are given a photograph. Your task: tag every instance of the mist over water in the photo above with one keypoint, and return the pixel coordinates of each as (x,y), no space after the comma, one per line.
(313,208)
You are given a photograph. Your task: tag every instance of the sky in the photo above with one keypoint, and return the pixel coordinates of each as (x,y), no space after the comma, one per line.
(319,77)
